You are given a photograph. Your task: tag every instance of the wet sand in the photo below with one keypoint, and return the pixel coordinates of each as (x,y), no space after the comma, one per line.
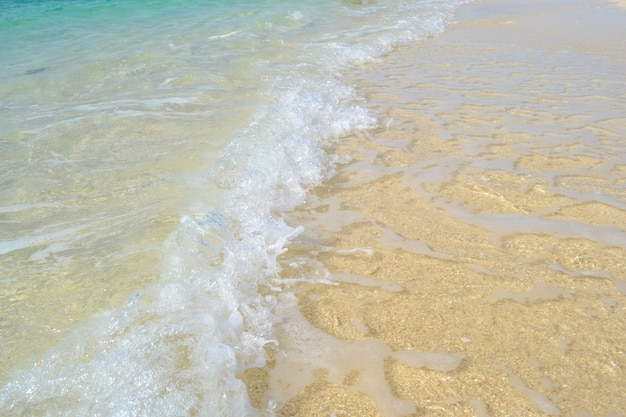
(470,253)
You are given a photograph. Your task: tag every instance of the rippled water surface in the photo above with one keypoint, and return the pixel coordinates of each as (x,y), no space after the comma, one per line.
(147,152)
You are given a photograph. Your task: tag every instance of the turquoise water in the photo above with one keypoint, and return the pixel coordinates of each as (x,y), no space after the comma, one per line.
(148,150)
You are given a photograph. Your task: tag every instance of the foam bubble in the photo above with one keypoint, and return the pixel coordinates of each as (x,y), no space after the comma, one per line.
(177,346)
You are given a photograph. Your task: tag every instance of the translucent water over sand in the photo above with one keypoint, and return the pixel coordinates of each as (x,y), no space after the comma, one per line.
(467,258)
(489,207)
(149,151)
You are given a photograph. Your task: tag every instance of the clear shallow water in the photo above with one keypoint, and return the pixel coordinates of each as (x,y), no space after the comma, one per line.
(501,154)
(147,152)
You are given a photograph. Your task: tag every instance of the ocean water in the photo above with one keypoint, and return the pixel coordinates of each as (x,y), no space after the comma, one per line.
(148,152)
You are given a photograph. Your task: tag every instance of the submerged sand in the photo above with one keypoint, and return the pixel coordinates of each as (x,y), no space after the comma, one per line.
(471,255)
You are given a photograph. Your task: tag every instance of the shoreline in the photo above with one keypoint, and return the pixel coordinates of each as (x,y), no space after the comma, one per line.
(475,243)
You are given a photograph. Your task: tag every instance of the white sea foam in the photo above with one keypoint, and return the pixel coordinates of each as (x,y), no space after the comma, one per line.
(178,345)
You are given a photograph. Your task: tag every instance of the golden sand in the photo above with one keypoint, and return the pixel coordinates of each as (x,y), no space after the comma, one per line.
(475,244)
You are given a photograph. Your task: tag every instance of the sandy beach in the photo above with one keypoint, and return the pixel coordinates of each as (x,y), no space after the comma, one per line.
(471,251)
(458,243)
